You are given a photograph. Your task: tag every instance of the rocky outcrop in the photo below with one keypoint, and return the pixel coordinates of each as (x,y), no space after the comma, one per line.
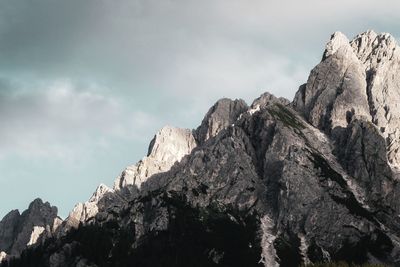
(265,100)
(366,140)
(85,212)
(17,231)
(3,256)
(168,146)
(356,79)
(221,115)
(335,92)
(361,150)
(8,227)
(380,56)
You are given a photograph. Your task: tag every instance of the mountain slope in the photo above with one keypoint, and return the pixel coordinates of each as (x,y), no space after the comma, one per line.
(274,183)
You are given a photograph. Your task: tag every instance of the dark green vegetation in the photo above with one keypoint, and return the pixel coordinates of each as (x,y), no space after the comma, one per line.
(287,248)
(195,237)
(282,113)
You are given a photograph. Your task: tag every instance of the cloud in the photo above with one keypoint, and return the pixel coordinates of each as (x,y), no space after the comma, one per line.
(133,46)
(63,120)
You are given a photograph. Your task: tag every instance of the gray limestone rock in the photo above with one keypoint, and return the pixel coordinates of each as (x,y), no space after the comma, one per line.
(356,79)
(8,228)
(224,113)
(18,231)
(380,56)
(168,146)
(336,88)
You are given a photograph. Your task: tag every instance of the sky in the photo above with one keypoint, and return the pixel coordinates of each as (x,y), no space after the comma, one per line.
(85,84)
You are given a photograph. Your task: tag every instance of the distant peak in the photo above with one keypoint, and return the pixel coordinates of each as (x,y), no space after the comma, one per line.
(372,35)
(101,190)
(167,134)
(372,48)
(12,214)
(266,99)
(222,114)
(38,202)
(373,39)
(337,41)
(368,33)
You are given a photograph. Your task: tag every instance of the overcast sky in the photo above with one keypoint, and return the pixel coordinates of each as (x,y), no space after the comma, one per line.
(84,85)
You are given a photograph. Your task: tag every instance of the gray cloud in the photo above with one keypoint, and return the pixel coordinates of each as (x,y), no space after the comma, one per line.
(59,118)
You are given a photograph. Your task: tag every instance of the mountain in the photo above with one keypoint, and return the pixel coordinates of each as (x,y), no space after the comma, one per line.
(276,183)
(18,231)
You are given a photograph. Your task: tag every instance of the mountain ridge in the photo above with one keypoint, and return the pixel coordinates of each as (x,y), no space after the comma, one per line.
(287,176)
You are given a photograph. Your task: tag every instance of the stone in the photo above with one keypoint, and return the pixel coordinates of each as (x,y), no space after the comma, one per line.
(335,92)
(36,233)
(168,146)
(356,79)
(85,212)
(18,231)
(8,227)
(3,256)
(380,56)
(221,115)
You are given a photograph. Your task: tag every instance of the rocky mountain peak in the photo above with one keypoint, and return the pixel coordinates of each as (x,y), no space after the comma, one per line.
(17,231)
(38,206)
(267,99)
(335,92)
(356,80)
(337,42)
(169,145)
(101,190)
(372,48)
(85,212)
(221,115)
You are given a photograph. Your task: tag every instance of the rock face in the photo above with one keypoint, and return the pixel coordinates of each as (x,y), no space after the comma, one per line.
(273,184)
(168,146)
(221,115)
(17,231)
(380,56)
(3,256)
(336,88)
(357,79)
(85,212)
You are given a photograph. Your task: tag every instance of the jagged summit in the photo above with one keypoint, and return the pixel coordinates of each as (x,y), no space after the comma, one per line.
(356,79)
(372,48)
(369,47)
(222,114)
(338,41)
(19,230)
(168,146)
